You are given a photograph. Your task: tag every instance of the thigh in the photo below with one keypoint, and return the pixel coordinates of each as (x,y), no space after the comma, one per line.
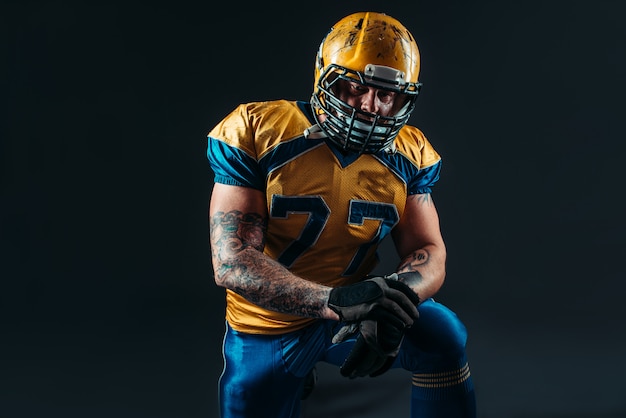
(263,374)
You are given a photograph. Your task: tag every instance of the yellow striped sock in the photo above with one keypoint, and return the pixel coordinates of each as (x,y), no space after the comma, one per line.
(442,380)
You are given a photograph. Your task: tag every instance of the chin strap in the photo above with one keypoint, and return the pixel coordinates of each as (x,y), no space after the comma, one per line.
(314,132)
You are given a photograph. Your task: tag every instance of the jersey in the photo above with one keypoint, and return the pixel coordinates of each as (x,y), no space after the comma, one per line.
(327,210)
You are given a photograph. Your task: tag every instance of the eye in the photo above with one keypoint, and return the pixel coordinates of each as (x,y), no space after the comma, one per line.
(357,88)
(386,96)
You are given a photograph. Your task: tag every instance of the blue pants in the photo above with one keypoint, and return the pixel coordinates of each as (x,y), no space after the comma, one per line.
(263,375)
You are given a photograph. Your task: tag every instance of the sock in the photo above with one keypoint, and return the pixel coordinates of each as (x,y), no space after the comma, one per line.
(448,394)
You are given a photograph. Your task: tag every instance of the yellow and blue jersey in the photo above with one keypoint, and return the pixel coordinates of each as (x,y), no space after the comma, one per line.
(328,211)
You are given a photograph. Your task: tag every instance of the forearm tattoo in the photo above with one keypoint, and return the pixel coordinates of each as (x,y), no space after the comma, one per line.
(407,270)
(413,261)
(237,243)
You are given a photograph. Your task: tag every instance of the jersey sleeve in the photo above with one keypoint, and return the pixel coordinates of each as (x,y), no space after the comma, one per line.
(416,161)
(429,168)
(231,153)
(425,179)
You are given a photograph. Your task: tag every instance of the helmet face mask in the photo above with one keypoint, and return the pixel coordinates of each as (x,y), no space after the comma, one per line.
(375,51)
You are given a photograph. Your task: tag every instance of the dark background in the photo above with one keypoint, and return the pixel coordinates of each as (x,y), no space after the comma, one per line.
(107,304)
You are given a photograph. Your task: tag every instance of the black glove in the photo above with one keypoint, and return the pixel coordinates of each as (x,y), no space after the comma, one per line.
(373,298)
(375,349)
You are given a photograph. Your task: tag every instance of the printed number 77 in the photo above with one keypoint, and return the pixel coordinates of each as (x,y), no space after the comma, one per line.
(318,213)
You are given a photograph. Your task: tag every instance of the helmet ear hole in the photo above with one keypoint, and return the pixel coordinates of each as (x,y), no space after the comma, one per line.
(377,51)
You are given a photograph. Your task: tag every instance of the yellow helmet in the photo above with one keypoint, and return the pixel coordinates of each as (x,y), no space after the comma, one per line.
(376,50)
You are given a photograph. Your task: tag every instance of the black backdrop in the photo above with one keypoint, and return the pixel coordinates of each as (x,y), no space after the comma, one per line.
(107,305)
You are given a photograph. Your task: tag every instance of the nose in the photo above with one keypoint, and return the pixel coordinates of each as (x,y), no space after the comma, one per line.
(369,102)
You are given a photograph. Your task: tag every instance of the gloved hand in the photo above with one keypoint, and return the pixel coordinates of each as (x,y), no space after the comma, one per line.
(374,298)
(377,345)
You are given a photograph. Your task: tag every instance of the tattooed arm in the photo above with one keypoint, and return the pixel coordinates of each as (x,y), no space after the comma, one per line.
(420,246)
(238,222)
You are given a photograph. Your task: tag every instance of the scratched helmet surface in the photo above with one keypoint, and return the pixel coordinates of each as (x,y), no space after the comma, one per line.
(375,50)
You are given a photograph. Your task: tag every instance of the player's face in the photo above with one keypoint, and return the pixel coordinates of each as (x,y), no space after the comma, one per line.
(369,99)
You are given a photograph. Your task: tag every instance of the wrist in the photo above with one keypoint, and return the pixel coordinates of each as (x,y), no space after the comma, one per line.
(327,312)
(412,280)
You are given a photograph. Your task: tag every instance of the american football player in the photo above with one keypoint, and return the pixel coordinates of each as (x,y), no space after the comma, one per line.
(304,192)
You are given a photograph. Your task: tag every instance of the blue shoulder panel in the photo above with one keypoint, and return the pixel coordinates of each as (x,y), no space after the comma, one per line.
(233,166)
(287,151)
(418,180)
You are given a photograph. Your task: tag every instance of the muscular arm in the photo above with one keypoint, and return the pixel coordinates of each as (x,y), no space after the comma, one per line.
(421,247)
(238,222)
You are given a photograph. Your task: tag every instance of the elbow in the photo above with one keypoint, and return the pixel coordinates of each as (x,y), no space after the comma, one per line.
(439,280)
(439,276)
(219,276)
